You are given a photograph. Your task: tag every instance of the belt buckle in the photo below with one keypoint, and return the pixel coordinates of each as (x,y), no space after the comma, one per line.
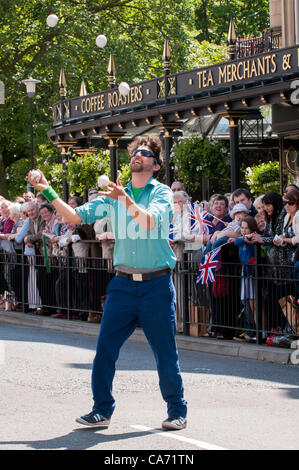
(137,277)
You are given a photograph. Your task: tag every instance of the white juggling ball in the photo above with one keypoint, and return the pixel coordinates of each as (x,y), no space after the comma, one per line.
(52,20)
(103,181)
(101,40)
(36,176)
(124,88)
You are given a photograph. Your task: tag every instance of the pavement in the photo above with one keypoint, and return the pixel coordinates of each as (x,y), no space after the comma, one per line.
(201,344)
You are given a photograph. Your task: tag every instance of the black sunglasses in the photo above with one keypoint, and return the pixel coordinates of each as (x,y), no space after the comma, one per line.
(290,203)
(144,153)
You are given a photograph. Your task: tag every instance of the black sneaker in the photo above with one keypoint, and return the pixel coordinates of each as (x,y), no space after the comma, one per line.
(174,424)
(94,419)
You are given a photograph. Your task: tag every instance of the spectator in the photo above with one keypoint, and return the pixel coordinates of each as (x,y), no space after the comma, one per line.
(30,289)
(74,201)
(46,280)
(92,194)
(28,196)
(33,250)
(260,217)
(291,220)
(290,187)
(211,201)
(246,253)
(6,222)
(181,218)
(177,186)
(16,261)
(243,196)
(275,213)
(40,199)
(77,275)
(220,217)
(230,202)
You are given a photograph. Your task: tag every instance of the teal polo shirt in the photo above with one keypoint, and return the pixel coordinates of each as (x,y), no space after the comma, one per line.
(136,247)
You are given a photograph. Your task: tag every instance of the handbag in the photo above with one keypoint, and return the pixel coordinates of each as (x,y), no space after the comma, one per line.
(290,309)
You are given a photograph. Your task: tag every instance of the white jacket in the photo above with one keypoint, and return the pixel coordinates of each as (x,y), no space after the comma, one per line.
(295,239)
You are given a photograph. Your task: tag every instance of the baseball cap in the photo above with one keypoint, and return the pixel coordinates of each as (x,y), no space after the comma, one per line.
(239,208)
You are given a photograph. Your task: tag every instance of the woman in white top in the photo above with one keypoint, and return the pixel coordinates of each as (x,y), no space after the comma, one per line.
(291,220)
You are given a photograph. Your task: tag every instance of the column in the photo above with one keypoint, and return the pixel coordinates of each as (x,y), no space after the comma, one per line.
(234,152)
(113,138)
(168,128)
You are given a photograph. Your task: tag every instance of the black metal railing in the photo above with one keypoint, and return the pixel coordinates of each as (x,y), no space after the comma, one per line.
(257,299)
(264,43)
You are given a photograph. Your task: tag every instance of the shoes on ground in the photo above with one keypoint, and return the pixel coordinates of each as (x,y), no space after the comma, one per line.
(59,315)
(174,424)
(94,318)
(240,338)
(94,419)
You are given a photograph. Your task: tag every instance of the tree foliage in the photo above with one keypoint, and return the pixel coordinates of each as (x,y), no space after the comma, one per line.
(212,18)
(135,30)
(263,178)
(196,157)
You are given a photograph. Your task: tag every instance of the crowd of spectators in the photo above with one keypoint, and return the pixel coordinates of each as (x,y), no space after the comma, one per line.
(50,267)
(238,223)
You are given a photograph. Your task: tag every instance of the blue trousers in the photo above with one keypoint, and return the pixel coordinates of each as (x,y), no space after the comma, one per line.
(152,304)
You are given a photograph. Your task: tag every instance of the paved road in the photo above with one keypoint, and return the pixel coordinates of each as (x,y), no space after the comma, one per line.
(233,403)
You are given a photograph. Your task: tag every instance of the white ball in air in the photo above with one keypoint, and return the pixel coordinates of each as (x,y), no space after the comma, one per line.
(103,181)
(36,176)
(52,21)
(101,40)
(124,88)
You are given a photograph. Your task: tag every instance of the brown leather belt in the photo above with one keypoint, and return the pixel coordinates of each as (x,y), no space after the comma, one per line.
(144,276)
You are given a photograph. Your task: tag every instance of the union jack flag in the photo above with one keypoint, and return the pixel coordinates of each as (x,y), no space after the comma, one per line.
(172,231)
(207,268)
(198,219)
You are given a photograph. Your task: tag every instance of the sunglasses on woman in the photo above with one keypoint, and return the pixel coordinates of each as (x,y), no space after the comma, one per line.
(289,203)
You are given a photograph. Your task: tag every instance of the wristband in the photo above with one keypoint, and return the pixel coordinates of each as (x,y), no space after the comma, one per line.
(50,194)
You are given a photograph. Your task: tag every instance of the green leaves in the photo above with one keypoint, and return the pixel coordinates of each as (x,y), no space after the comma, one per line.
(263,178)
(212,18)
(135,30)
(197,157)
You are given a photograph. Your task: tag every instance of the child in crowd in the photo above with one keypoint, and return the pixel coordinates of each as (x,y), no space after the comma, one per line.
(246,255)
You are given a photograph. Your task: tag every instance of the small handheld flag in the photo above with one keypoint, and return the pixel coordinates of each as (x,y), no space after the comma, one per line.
(198,219)
(207,268)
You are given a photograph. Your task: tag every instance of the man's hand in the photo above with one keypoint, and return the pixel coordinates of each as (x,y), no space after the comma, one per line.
(115,190)
(42,184)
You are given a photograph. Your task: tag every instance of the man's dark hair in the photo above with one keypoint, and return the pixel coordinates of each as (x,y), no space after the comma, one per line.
(220,197)
(240,191)
(77,199)
(41,196)
(154,143)
(48,206)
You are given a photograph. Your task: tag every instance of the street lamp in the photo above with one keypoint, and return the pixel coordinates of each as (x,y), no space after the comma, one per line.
(30,84)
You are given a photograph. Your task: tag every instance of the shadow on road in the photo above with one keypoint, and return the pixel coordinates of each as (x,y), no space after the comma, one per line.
(78,439)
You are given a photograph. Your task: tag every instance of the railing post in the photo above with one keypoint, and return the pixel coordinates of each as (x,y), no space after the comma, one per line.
(258,293)
(23,279)
(68,279)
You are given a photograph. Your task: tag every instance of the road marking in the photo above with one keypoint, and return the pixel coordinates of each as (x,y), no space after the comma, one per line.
(201,444)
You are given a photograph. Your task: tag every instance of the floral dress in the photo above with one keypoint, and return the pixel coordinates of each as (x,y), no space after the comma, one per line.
(279,257)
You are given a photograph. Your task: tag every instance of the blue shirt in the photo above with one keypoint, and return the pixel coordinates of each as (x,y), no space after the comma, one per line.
(136,247)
